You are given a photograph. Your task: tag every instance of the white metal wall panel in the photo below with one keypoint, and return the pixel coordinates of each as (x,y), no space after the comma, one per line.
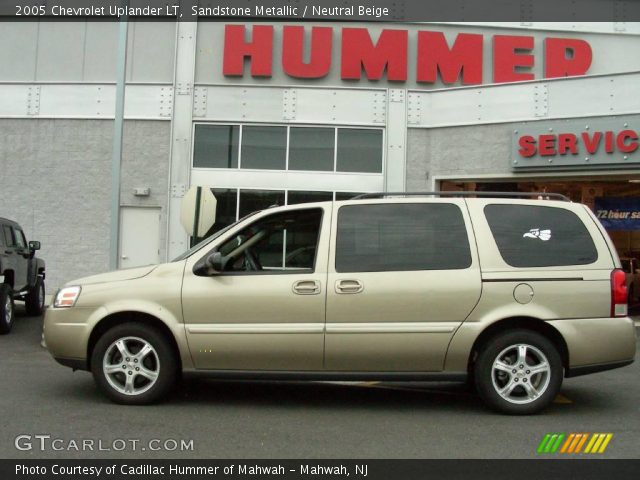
(608,95)
(101,45)
(18,64)
(343,106)
(151,53)
(77,101)
(270,180)
(237,104)
(294,105)
(14,101)
(526,101)
(51,100)
(61,51)
(588,27)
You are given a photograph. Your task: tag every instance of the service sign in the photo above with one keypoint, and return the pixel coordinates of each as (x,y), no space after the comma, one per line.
(591,143)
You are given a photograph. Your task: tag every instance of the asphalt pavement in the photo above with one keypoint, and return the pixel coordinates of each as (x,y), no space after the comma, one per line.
(51,412)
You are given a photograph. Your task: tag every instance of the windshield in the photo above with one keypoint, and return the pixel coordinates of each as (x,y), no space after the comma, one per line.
(210,239)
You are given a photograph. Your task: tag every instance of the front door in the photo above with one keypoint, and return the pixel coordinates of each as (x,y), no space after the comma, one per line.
(266,309)
(139,236)
(402,278)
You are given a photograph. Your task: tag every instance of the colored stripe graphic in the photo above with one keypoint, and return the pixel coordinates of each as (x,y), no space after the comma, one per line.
(573,443)
(550,443)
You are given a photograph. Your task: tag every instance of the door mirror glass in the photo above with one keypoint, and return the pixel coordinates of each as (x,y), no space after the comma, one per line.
(34,245)
(212,264)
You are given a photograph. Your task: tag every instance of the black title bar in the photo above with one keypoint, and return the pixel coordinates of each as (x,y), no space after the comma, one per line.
(523,11)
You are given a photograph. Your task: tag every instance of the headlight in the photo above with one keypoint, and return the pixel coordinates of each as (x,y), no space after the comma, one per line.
(67,297)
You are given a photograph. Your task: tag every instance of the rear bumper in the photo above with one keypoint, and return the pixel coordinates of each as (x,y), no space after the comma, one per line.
(597,344)
(601,367)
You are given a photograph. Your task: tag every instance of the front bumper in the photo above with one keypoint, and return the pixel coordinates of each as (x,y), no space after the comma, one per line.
(67,332)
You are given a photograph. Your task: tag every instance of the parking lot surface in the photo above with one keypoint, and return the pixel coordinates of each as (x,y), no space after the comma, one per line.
(225,419)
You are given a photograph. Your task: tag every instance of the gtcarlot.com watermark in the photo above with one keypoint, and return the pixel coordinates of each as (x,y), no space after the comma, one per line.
(45,443)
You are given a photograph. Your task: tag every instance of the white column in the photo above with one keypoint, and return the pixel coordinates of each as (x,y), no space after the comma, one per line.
(181,128)
(396,137)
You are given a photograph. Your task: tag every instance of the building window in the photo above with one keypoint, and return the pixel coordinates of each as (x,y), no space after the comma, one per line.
(252,200)
(359,150)
(311,148)
(216,146)
(307,149)
(249,201)
(264,148)
(295,197)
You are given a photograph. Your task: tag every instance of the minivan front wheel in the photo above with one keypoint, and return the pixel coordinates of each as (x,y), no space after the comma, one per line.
(133,364)
(518,372)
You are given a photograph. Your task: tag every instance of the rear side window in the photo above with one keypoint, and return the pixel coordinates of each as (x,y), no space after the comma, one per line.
(401,237)
(533,236)
(8,236)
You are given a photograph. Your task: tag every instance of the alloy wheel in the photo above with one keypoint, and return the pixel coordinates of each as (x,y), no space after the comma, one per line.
(521,373)
(131,365)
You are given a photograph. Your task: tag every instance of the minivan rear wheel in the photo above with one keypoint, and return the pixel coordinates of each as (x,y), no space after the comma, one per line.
(134,364)
(518,372)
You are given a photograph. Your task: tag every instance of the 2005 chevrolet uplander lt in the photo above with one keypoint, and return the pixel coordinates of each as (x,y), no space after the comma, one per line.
(511,294)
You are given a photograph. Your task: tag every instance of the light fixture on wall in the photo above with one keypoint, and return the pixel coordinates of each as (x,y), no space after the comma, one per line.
(634,181)
(142,192)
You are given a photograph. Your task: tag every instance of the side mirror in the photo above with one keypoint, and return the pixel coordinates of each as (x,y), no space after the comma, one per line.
(33,246)
(212,264)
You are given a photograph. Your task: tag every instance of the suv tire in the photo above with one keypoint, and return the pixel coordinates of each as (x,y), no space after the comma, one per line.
(7,310)
(518,372)
(134,364)
(34,301)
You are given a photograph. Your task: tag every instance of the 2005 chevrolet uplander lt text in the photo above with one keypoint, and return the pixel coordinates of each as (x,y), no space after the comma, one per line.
(511,294)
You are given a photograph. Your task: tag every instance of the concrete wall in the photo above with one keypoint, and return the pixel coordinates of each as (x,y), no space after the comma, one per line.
(478,149)
(56,183)
(487,151)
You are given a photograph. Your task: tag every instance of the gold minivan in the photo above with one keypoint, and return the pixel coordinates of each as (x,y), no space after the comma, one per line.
(510,294)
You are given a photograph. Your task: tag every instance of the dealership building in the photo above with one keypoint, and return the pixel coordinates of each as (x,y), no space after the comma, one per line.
(283,113)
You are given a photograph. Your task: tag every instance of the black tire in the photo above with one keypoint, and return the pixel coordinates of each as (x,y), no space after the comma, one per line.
(6,302)
(162,360)
(34,301)
(504,347)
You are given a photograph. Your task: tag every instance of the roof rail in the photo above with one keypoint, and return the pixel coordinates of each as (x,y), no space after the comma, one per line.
(544,195)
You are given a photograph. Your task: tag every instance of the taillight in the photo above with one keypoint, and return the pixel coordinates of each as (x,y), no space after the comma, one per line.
(618,293)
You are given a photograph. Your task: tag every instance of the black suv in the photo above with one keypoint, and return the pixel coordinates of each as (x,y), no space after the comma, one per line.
(21,274)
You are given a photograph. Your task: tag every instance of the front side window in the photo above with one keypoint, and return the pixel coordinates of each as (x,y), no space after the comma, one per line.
(282,242)
(534,236)
(401,237)
(21,241)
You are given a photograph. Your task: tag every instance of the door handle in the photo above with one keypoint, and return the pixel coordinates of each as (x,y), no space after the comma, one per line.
(306,287)
(349,286)
(124,257)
